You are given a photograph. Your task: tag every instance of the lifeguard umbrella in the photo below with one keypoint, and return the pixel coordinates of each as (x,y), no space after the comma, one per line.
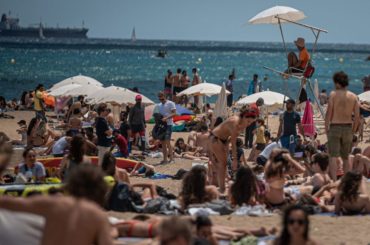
(278,15)
(269,98)
(119,95)
(80,79)
(208,89)
(365,96)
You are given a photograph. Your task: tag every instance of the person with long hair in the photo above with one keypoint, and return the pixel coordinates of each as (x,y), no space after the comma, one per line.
(220,138)
(278,166)
(296,228)
(33,171)
(195,188)
(352,197)
(244,189)
(75,157)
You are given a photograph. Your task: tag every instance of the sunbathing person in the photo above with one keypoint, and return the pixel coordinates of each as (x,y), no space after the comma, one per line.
(220,137)
(22,130)
(352,196)
(359,162)
(142,169)
(32,170)
(195,189)
(182,150)
(296,228)
(109,167)
(280,164)
(75,157)
(244,189)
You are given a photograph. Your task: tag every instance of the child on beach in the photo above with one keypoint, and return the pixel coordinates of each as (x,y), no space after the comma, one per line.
(240,156)
(22,130)
(260,140)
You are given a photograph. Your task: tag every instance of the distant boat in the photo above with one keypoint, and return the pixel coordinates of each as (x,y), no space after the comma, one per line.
(162,53)
(41,32)
(133,35)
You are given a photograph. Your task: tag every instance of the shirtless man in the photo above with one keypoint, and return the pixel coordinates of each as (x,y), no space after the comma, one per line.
(71,213)
(196,80)
(75,122)
(339,124)
(75,105)
(221,136)
(176,83)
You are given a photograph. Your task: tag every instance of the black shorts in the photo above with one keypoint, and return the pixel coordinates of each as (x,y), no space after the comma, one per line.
(260,147)
(177,90)
(137,128)
(261,160)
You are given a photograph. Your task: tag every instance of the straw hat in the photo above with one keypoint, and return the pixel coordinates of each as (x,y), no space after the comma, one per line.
(300,42)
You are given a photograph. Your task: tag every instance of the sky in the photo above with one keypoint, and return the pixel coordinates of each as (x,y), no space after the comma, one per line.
(219,20)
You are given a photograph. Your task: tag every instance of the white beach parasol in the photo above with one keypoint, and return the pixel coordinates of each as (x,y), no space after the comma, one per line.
(269,97)
(268,16)
(85,90)
(117,95)
(221,104)
(63,90)
(207,89)
(365,96)
(80,79)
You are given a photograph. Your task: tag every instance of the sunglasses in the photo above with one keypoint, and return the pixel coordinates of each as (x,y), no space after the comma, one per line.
(298,221)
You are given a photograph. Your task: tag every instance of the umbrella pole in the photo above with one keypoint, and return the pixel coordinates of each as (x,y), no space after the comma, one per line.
(282,36)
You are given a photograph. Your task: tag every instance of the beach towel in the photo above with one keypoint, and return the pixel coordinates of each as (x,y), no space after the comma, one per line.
(257,211)
(307,120)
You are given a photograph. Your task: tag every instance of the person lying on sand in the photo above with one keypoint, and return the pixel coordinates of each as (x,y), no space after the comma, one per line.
(359,162)
(280,165)
(182,150)
(220,137)
(352,196)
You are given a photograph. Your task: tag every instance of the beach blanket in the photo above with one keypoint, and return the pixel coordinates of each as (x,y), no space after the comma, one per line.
(257,210)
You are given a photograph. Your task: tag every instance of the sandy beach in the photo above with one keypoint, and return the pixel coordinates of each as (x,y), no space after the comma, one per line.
(326,230)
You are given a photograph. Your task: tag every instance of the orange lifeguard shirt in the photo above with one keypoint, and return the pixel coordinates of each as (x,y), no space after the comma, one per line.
(304,57)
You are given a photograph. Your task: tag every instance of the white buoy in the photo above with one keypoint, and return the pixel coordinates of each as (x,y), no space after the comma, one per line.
(12,61)
(341,60)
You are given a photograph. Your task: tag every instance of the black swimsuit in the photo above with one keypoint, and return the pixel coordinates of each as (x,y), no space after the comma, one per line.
(223,141)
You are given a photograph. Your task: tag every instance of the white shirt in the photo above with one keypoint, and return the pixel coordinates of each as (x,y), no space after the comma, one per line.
(60,146)
(166,109)
(268,149)
(20,228)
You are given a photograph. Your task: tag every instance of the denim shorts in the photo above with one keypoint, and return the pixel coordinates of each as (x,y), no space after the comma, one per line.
(168,134)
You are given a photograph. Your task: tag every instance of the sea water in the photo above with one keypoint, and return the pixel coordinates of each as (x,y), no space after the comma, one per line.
(121,63)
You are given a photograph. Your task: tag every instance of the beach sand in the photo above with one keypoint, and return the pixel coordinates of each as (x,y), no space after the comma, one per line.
(326,230)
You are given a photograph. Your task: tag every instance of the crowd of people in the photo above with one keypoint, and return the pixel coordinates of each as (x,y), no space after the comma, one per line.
(287,171)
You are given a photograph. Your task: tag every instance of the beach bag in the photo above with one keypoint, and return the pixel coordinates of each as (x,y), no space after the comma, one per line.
(160,128)
(123,199)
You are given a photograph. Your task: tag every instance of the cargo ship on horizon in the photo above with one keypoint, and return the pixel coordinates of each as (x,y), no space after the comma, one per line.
(9,27)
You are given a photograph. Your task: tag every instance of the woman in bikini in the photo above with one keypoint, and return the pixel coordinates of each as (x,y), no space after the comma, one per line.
(220,137)
(280,164)
(352,197)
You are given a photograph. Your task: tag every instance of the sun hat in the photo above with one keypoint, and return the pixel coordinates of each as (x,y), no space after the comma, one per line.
(300,42)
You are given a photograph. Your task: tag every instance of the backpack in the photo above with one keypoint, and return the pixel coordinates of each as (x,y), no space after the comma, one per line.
(160,128)
(123,199)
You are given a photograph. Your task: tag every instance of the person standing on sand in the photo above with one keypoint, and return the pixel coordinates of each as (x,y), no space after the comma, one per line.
(38,103)
(196,80)
(168,84)
(103,132)
(168,110)
(288,127)
(220,137)
(176,82)
(248,136)
(229,87)
(341,122)
(323,97)
(137,124)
